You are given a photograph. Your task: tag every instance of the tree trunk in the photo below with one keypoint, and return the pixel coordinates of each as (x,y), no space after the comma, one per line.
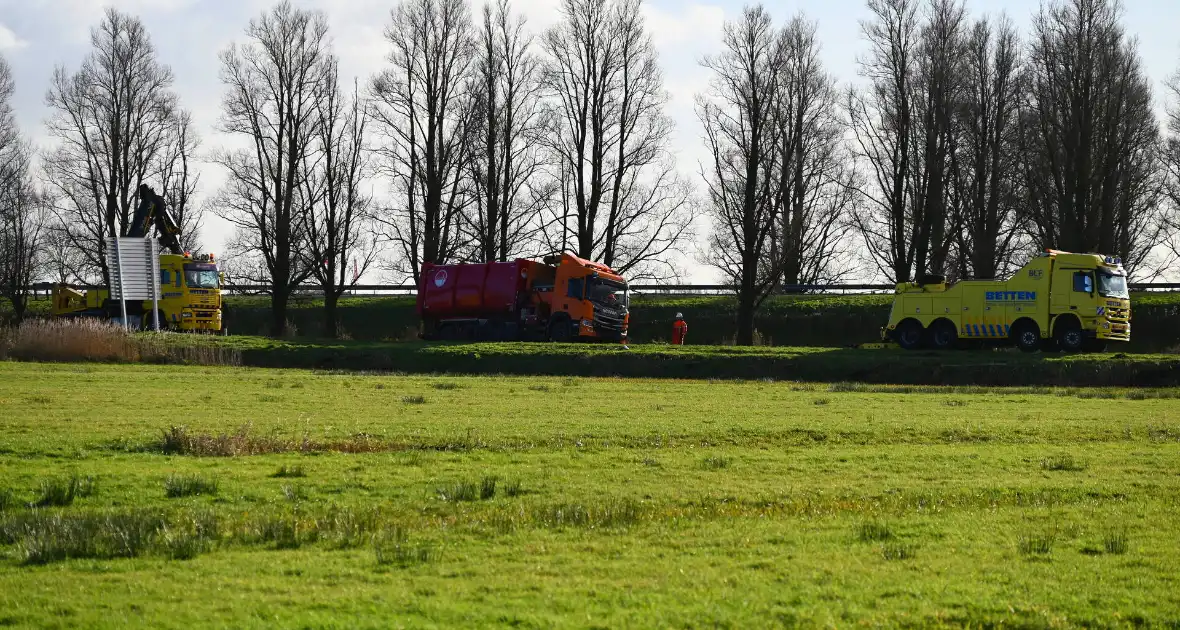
(20,303)
(746,308)
(331,300)
(278,311)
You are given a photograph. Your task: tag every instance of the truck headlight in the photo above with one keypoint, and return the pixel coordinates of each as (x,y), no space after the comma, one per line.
(587,323)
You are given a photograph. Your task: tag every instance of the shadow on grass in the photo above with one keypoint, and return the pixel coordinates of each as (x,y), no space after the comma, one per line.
(968,368)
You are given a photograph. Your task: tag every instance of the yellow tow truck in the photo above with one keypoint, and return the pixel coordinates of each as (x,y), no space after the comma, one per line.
(1058,301)
(190,298)
(190,287)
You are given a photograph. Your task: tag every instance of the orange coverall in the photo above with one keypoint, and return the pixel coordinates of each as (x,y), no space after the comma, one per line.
(679,332)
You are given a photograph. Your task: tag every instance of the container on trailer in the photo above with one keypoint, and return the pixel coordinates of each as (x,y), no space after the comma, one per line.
(561,299)
(471,290)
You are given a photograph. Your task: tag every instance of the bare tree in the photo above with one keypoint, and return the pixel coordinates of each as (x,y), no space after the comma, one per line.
(111,120)
(424,118)
(63,263)
(13,149)
(611,136)
(23,223)
(340,244)
(814,179)
(882,118)
(507,164)
(274,83)
(1172,164)
(739,116)
(1089,135)
(180,180)
(987,169)
(938,90)
(22,216)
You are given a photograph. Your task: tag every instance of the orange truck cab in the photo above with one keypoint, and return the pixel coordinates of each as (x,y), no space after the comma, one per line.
(563,298)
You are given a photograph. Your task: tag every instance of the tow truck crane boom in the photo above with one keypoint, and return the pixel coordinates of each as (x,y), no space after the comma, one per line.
(153,210)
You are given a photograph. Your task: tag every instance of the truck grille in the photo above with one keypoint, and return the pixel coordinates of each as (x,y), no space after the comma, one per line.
(1118,314)
(609,319)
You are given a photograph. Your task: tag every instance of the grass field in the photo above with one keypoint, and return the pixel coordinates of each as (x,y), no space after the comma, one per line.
(320,499)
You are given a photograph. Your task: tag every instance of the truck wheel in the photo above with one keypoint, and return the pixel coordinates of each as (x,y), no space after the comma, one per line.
(942,335)
(1026,336)
(559,330)
(909,335)
(1069,336)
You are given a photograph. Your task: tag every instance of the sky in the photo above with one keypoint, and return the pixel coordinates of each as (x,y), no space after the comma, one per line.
(38,35)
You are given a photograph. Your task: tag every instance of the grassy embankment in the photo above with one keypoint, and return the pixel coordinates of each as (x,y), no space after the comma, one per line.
(805,321)
(97,342)
(296,498)
(721,362)
(808,320)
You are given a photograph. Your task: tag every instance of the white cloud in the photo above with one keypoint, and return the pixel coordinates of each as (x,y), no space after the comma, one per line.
(9,40)
(695,26)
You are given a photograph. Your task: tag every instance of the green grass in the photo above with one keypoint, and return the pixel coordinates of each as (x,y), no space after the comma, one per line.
(853,366)
(177,486)
(609,502)
(62,492)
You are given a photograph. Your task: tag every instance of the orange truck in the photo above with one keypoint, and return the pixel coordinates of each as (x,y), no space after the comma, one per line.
(563,298)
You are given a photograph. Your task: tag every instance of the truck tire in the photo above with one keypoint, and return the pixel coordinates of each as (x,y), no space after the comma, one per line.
(1069,335)
(942,335)
(1027,336)
(146,324)
(559,330)
(909,334)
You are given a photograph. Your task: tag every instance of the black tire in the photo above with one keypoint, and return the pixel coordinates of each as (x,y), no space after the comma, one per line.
(909,335)
(559,330)
(1069,335)
(1027,336)
(942,335)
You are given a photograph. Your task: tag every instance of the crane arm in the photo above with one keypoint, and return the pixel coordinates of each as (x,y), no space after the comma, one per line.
(153,211)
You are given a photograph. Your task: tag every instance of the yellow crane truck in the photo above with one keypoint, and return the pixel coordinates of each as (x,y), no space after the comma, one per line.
(1058,301)
(190,287)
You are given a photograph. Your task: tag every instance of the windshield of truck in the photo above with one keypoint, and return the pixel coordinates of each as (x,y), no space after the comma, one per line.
(608,293)
(201,277)
(1110,285)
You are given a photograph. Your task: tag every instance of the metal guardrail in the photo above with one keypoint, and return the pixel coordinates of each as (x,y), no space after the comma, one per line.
(638,288)
(668,289)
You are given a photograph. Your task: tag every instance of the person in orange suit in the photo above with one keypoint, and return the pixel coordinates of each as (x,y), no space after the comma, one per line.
(679,330)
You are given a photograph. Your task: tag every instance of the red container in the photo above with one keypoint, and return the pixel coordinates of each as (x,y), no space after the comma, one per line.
(471,291)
